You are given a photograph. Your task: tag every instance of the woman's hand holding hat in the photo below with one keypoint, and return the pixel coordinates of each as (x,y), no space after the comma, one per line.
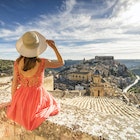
(51,43)
(59,62)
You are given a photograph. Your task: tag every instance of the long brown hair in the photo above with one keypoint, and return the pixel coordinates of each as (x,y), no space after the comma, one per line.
(29,63)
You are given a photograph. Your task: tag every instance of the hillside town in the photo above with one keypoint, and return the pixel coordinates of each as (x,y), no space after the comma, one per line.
(94,105)
(110,70)
(102,76)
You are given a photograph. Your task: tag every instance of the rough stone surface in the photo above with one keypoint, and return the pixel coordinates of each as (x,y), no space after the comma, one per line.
(47,131)
(80,118)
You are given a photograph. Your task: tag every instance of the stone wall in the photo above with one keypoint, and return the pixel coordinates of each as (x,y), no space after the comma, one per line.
(49,83)
(47,131)
(67,93)
(100,58)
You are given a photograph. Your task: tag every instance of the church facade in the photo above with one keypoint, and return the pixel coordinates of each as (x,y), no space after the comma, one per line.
(99,87)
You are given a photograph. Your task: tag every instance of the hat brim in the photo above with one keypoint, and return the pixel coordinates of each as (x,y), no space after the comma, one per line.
(26,52)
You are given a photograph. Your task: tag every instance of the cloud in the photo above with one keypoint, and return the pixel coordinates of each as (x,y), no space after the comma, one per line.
(67,7)
(87,28)
(8,51)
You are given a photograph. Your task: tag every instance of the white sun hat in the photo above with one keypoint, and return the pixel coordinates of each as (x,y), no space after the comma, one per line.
(31,44)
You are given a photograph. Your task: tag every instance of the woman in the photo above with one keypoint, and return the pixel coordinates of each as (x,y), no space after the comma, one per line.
(31,104)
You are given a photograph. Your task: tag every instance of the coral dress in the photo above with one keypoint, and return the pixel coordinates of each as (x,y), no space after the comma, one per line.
(31,103)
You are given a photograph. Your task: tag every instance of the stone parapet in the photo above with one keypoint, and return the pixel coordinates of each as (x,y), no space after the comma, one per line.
(48,130)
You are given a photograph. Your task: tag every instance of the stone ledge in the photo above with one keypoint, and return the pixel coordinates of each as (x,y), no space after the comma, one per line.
(46,131)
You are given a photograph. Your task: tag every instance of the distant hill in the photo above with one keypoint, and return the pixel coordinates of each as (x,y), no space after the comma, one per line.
(6,67)
(68,63)
(136,71)
(130,63)
(133,65)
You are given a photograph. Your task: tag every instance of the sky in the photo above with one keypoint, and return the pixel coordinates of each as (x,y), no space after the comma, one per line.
(80,28)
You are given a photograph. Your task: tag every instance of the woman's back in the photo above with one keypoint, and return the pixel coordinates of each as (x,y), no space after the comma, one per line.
(32,77)
(30,72)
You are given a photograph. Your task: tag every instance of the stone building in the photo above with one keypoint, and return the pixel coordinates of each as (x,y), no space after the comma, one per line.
(80,76)
(107,60)
(96,86)
(103,58)
(99,87)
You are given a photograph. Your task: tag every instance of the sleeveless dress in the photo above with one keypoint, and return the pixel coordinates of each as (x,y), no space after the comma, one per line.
(31,103)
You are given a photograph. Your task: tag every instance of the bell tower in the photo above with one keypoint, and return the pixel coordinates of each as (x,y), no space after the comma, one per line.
(96,86)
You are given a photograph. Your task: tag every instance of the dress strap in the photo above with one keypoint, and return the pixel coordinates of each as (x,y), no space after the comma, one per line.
(43,63)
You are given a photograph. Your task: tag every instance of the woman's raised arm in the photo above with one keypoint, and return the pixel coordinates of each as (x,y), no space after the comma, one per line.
(54,63)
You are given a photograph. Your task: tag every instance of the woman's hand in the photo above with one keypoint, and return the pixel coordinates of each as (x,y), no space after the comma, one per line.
(51,43)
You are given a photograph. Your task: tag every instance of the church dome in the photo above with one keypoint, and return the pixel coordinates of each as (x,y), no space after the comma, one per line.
(96,72)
